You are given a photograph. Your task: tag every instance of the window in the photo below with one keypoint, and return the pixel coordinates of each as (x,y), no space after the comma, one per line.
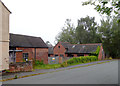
(83,46)
(66,49)
(70,55)
(25,56)
(73,46)
(56,55)
(61,55)
(58,46)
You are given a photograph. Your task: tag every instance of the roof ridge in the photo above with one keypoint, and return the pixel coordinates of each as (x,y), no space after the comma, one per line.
(91,44)
(5,6)
(88,44)
(24,35)
(27,41)
(64,42)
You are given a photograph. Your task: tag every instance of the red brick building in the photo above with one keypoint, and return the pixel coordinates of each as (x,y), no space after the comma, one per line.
(24,48)
(50,52)
(65,49)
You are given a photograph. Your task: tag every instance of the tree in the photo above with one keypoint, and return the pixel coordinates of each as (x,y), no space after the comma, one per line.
(110,36)
(86,31)
(105,6)
(109,29)
(67,33)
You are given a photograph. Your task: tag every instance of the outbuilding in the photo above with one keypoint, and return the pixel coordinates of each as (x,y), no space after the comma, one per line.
(24,48)
(65,49)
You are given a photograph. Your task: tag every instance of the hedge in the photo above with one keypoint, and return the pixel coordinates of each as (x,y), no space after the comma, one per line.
(82,59)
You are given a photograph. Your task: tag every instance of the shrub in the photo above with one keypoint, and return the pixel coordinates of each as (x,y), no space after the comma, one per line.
(82,59)
(7,71)
(96,53)
(63,65)
(110,58)
(37,62)
(16,76)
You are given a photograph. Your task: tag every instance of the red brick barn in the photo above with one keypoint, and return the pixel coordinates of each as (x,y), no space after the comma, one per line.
(23,48)
(65,49)
(50,52)
(61,48)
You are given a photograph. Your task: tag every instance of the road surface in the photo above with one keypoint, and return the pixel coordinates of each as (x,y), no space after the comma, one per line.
(106,73)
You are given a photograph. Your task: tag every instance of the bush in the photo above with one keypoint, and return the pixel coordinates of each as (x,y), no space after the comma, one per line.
(37,62)
(63,65)
(110,58)
(16,76)
(82,59)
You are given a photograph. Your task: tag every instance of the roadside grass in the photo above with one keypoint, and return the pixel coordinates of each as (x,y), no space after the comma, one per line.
(55,66)
(71,62)
(47,66)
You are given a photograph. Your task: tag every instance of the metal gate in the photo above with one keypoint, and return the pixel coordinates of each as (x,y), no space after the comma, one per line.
(53,60)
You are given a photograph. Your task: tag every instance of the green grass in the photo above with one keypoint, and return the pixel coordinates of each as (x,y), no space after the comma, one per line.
(70,62)
(47,66)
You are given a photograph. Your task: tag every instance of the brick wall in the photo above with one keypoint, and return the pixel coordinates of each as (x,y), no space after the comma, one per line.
(58,51)
(75,55)
(21,67)
(101,54)
(41,54)
(19,55)
(86,55)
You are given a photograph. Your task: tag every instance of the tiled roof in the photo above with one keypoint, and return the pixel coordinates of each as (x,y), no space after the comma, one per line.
(65,44)
(17,40)
(80,48)
(50,50)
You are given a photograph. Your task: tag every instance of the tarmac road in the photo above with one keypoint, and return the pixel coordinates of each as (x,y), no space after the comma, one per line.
(106,73)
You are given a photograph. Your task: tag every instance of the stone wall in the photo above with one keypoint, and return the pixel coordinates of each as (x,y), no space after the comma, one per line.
(21,67)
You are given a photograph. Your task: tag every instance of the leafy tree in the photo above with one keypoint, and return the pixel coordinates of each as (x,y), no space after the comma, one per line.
(110,36)
(109,29)
(105,6)
(86,31)
(67,33)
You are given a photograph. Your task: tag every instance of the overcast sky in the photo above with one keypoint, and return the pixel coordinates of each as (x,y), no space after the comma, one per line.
(45,18)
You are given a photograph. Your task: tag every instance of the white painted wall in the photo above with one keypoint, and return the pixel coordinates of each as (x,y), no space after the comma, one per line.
(4,37)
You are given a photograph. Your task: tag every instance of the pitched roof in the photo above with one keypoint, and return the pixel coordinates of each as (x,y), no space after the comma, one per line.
(5,6)
(50,50)
(65,44)
(17,40)
(81,48)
